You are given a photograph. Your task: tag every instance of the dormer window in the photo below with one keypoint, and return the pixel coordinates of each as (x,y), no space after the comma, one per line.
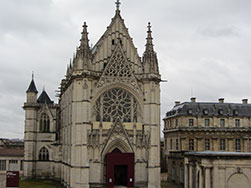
(189,111)
(235,112)
(220,111)
(222,122)
(205,111)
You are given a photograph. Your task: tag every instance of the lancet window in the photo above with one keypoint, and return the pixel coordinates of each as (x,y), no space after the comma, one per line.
(44,123)
(44,154)
(116,104)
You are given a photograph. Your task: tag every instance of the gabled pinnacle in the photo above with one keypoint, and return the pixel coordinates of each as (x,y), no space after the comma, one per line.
(84,41)
(32,87)
(149,56)
(149,39)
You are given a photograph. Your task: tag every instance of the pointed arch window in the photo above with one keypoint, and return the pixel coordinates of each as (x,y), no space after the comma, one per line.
(44,154)
(115,104)
(44,123)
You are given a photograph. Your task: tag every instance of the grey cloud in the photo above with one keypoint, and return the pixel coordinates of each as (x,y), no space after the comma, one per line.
(203,47)
(219,31)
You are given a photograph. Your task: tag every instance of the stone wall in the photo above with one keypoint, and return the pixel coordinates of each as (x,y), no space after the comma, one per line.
(217,170)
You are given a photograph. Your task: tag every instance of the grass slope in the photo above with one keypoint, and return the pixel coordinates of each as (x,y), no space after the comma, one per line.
(38,184)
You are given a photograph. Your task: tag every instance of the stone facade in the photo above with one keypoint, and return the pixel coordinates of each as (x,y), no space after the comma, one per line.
(108,102)
(205,126)
(217,170)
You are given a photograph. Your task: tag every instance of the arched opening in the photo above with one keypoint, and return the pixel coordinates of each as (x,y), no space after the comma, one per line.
(198,178)
(120,172)
(44,154)
(44,123)
(238,180)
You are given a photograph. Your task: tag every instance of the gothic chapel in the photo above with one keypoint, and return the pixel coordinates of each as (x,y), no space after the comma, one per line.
(105,129)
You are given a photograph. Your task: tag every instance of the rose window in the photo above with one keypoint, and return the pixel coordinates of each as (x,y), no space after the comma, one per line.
(116,104)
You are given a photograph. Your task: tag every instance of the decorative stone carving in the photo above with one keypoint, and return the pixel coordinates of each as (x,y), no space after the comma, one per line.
(116,104)
(118,70)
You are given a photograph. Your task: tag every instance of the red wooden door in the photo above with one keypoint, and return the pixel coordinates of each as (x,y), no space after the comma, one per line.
(120,169)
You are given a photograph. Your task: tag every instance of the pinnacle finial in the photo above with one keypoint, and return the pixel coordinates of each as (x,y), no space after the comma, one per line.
(84,39)
(117,4)
(149,26)
(149,42)
(32,76)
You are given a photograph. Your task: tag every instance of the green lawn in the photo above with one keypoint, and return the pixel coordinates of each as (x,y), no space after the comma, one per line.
(38,184)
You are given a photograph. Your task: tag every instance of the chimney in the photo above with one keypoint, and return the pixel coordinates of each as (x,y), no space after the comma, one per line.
(193,99)
(221,100)
(177,103)
(244,101)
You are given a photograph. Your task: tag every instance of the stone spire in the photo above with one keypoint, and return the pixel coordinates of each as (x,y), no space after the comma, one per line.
(31,93)
(84,41)
(149,39)
(150,60)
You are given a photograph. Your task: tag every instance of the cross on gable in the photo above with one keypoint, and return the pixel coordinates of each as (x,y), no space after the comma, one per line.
(118,4)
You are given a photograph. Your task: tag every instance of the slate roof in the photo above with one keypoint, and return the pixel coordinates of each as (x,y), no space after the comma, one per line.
(14,151)
(44,98)
(210,109)
(32,87)
(218,154)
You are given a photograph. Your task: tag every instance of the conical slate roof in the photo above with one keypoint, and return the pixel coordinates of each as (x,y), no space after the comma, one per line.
(44,98)
(32,87)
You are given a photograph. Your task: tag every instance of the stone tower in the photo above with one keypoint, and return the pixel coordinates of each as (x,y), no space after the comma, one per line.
(107,124)
(40,134)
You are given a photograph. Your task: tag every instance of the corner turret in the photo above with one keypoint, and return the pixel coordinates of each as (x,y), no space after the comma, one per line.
(150,60)
(31,93)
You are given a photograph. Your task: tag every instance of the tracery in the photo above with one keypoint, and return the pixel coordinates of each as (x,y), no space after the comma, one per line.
(116,104)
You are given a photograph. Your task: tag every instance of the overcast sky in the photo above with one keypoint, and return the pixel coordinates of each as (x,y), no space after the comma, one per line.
(203,46)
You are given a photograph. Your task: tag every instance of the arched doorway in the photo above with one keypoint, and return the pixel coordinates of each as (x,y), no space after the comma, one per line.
(120,168)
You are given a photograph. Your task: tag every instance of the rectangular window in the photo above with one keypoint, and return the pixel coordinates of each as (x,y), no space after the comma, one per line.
(177,144)
(191,144)
(207,144)
(190,122)
(21,165)
(238,144)
(222,144)
(13,161)
(13,165)
(171,144)
(207,121)
(177,123)
(237,123)
(3,165)
(222,122)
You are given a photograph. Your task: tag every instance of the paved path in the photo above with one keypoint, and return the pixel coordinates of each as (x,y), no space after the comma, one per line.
(163,185)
